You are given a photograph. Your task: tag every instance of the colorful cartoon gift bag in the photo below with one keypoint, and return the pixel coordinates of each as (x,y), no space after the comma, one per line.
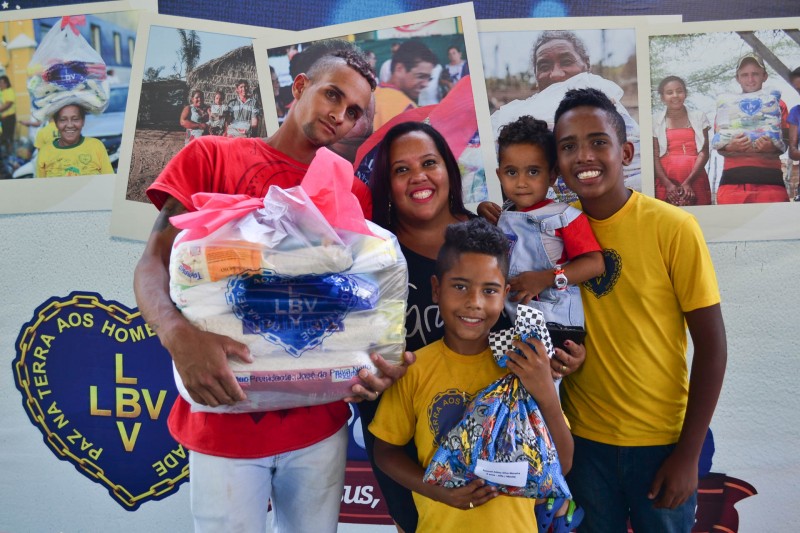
(502,438)
(304,281)
(66,70)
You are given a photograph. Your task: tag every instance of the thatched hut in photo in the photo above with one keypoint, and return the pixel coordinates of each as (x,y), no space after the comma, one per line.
(160,104)
(221,74)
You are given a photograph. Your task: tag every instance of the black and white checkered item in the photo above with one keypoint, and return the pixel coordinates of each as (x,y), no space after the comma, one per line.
(529,321)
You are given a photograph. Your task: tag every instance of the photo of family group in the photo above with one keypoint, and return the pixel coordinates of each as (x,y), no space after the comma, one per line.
(194,83)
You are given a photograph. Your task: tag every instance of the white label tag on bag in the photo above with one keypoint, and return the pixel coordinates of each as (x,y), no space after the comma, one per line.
(512,474)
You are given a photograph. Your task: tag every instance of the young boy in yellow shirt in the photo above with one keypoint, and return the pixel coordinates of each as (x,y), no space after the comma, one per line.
(470,287)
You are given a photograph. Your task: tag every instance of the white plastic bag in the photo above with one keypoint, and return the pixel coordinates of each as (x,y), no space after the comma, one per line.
(66,70)
(311,302)
(755,115)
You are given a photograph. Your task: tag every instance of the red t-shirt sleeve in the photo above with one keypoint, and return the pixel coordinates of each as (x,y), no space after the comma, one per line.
(193,160)
(578,238)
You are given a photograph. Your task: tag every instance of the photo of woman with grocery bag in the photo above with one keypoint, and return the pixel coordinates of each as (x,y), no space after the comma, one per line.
(69,80)
(72,154)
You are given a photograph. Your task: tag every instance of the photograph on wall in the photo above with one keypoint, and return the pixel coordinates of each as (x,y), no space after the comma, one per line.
(530,64)
(725,113)
(64,77)
(193,78)
(427,67)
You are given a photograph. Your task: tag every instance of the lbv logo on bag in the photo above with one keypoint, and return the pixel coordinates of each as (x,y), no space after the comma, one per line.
(750,106)
(294,312)
(98,385)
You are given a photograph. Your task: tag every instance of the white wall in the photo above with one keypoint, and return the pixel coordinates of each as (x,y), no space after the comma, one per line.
(756,426)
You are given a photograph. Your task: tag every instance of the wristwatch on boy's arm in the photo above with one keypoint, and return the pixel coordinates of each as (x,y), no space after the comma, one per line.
(560,281)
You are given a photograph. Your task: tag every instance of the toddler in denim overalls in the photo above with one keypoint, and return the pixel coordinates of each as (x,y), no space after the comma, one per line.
(549,241)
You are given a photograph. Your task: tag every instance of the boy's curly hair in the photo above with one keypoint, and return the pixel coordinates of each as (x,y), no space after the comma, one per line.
(473,236)
(528,130)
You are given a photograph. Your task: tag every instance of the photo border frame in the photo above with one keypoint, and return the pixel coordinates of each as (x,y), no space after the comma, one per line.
(737,222)
(131,219)
(68,193)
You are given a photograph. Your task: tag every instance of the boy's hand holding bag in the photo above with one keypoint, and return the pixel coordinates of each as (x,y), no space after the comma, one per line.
(502,437)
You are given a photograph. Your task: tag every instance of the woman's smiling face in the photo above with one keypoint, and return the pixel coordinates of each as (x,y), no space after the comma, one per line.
(69,122)
(556,61)
(674,95)
(419,179)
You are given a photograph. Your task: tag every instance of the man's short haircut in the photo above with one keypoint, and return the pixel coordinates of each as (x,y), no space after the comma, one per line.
(528,130)
(795,74)
(412,52)
(330,55)
(591,97)
(241,81)
(473,236)
(669,79)
(554,35)
(454,47)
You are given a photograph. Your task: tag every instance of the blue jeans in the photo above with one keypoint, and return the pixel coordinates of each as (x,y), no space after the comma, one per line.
(305,487)
(611,484)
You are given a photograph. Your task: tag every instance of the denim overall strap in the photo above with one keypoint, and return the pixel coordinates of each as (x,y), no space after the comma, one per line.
(535,246)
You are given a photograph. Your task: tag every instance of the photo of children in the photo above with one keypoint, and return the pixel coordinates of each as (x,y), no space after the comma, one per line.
(720,119)
(410,53)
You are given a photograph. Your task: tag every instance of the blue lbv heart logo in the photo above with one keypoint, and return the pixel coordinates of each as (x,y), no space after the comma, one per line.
(750,106)
(602,285)
(294,312)
(98,385)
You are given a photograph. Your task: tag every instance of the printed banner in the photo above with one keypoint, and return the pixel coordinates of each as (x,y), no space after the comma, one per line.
(98,384)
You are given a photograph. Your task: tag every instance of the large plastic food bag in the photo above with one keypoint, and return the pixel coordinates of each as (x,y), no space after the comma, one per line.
(66,70)
(755,115)
(310,301)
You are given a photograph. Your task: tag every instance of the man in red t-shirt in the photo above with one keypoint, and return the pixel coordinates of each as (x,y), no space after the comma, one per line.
(293,457)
